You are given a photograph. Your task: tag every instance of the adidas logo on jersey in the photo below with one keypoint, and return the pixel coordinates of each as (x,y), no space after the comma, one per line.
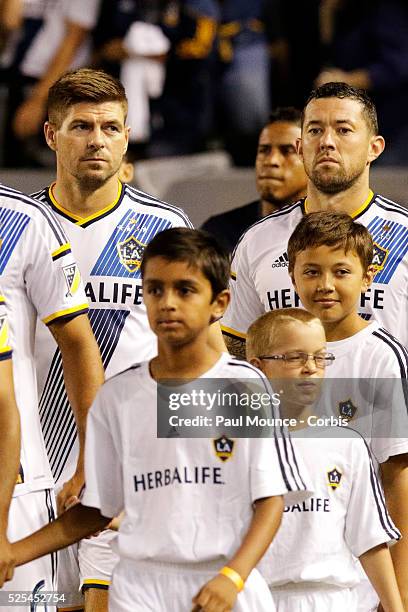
(281,262)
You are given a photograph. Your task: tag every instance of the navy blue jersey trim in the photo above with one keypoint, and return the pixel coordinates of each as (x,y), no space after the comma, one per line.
(394,345)
(40,206)
(138,196)
(279,213)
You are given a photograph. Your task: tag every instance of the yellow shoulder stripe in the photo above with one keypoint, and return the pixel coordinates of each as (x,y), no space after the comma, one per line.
(233,332)
(64,313)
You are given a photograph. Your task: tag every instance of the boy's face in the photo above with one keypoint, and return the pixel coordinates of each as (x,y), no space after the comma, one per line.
(179,301)
(290,338)
(329,282)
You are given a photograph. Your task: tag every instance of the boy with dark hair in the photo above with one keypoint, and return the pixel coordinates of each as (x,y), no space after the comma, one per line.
(172,556)
(330,263)
(311,562)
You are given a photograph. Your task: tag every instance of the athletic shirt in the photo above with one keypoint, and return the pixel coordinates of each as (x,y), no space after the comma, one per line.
(260,279)
(346,516)
(5,348)
(371,371)
(39,278)
(109,247)
(198,504)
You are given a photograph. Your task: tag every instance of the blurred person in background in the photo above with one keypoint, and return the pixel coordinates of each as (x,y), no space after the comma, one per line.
(130,45)
(280,178)
(61,42)
(367,47)
(184,112)
(246,35)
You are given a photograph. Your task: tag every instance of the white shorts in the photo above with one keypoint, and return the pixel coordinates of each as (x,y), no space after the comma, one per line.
(314,597)
(160,587)
(28,513)
(367,597)
(86,565)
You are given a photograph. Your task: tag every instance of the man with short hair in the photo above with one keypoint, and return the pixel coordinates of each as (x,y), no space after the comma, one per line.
(339,142)
(109,225)
(280,178)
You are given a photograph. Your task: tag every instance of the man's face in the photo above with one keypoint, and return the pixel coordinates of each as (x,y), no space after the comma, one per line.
(337,144)
(280,176)
(90,143)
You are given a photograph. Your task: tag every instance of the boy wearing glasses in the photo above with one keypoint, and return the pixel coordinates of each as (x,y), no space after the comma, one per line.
(332,261)
(311,563)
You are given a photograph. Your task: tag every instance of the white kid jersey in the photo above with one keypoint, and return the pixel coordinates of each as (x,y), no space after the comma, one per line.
(109,247)
(183,501)
(39,278)
(366,387)
(5,348)
(259,269)
(346,516)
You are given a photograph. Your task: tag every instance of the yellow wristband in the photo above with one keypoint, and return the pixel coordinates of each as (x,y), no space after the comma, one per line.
(234,576)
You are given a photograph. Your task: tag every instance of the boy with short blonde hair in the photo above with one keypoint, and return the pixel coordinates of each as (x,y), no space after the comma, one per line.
(311,563)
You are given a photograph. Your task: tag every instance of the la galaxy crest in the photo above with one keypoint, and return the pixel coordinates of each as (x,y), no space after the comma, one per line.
(347,409)
(379,257)
(224,448)
(334,477)
(131,252)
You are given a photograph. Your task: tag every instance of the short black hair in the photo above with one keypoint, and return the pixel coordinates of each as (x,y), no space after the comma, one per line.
(288,114)
(197,248)
(343,90)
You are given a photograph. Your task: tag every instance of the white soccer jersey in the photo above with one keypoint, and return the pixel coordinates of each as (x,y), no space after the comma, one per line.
(39,277)
(260,279)
(182,502)
(346,516)
(360,392)
(109,247)
(5,348)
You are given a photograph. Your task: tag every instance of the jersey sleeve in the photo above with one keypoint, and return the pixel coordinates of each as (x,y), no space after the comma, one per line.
(390,419)
(245,305)
(52,275)
(277,468)
(5,348)
(103,464)
(368,523)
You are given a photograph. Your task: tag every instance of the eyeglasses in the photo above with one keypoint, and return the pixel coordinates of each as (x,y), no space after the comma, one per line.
(297,359)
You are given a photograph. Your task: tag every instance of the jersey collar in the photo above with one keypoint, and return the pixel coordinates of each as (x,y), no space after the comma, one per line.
(85,221)
(356,213)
